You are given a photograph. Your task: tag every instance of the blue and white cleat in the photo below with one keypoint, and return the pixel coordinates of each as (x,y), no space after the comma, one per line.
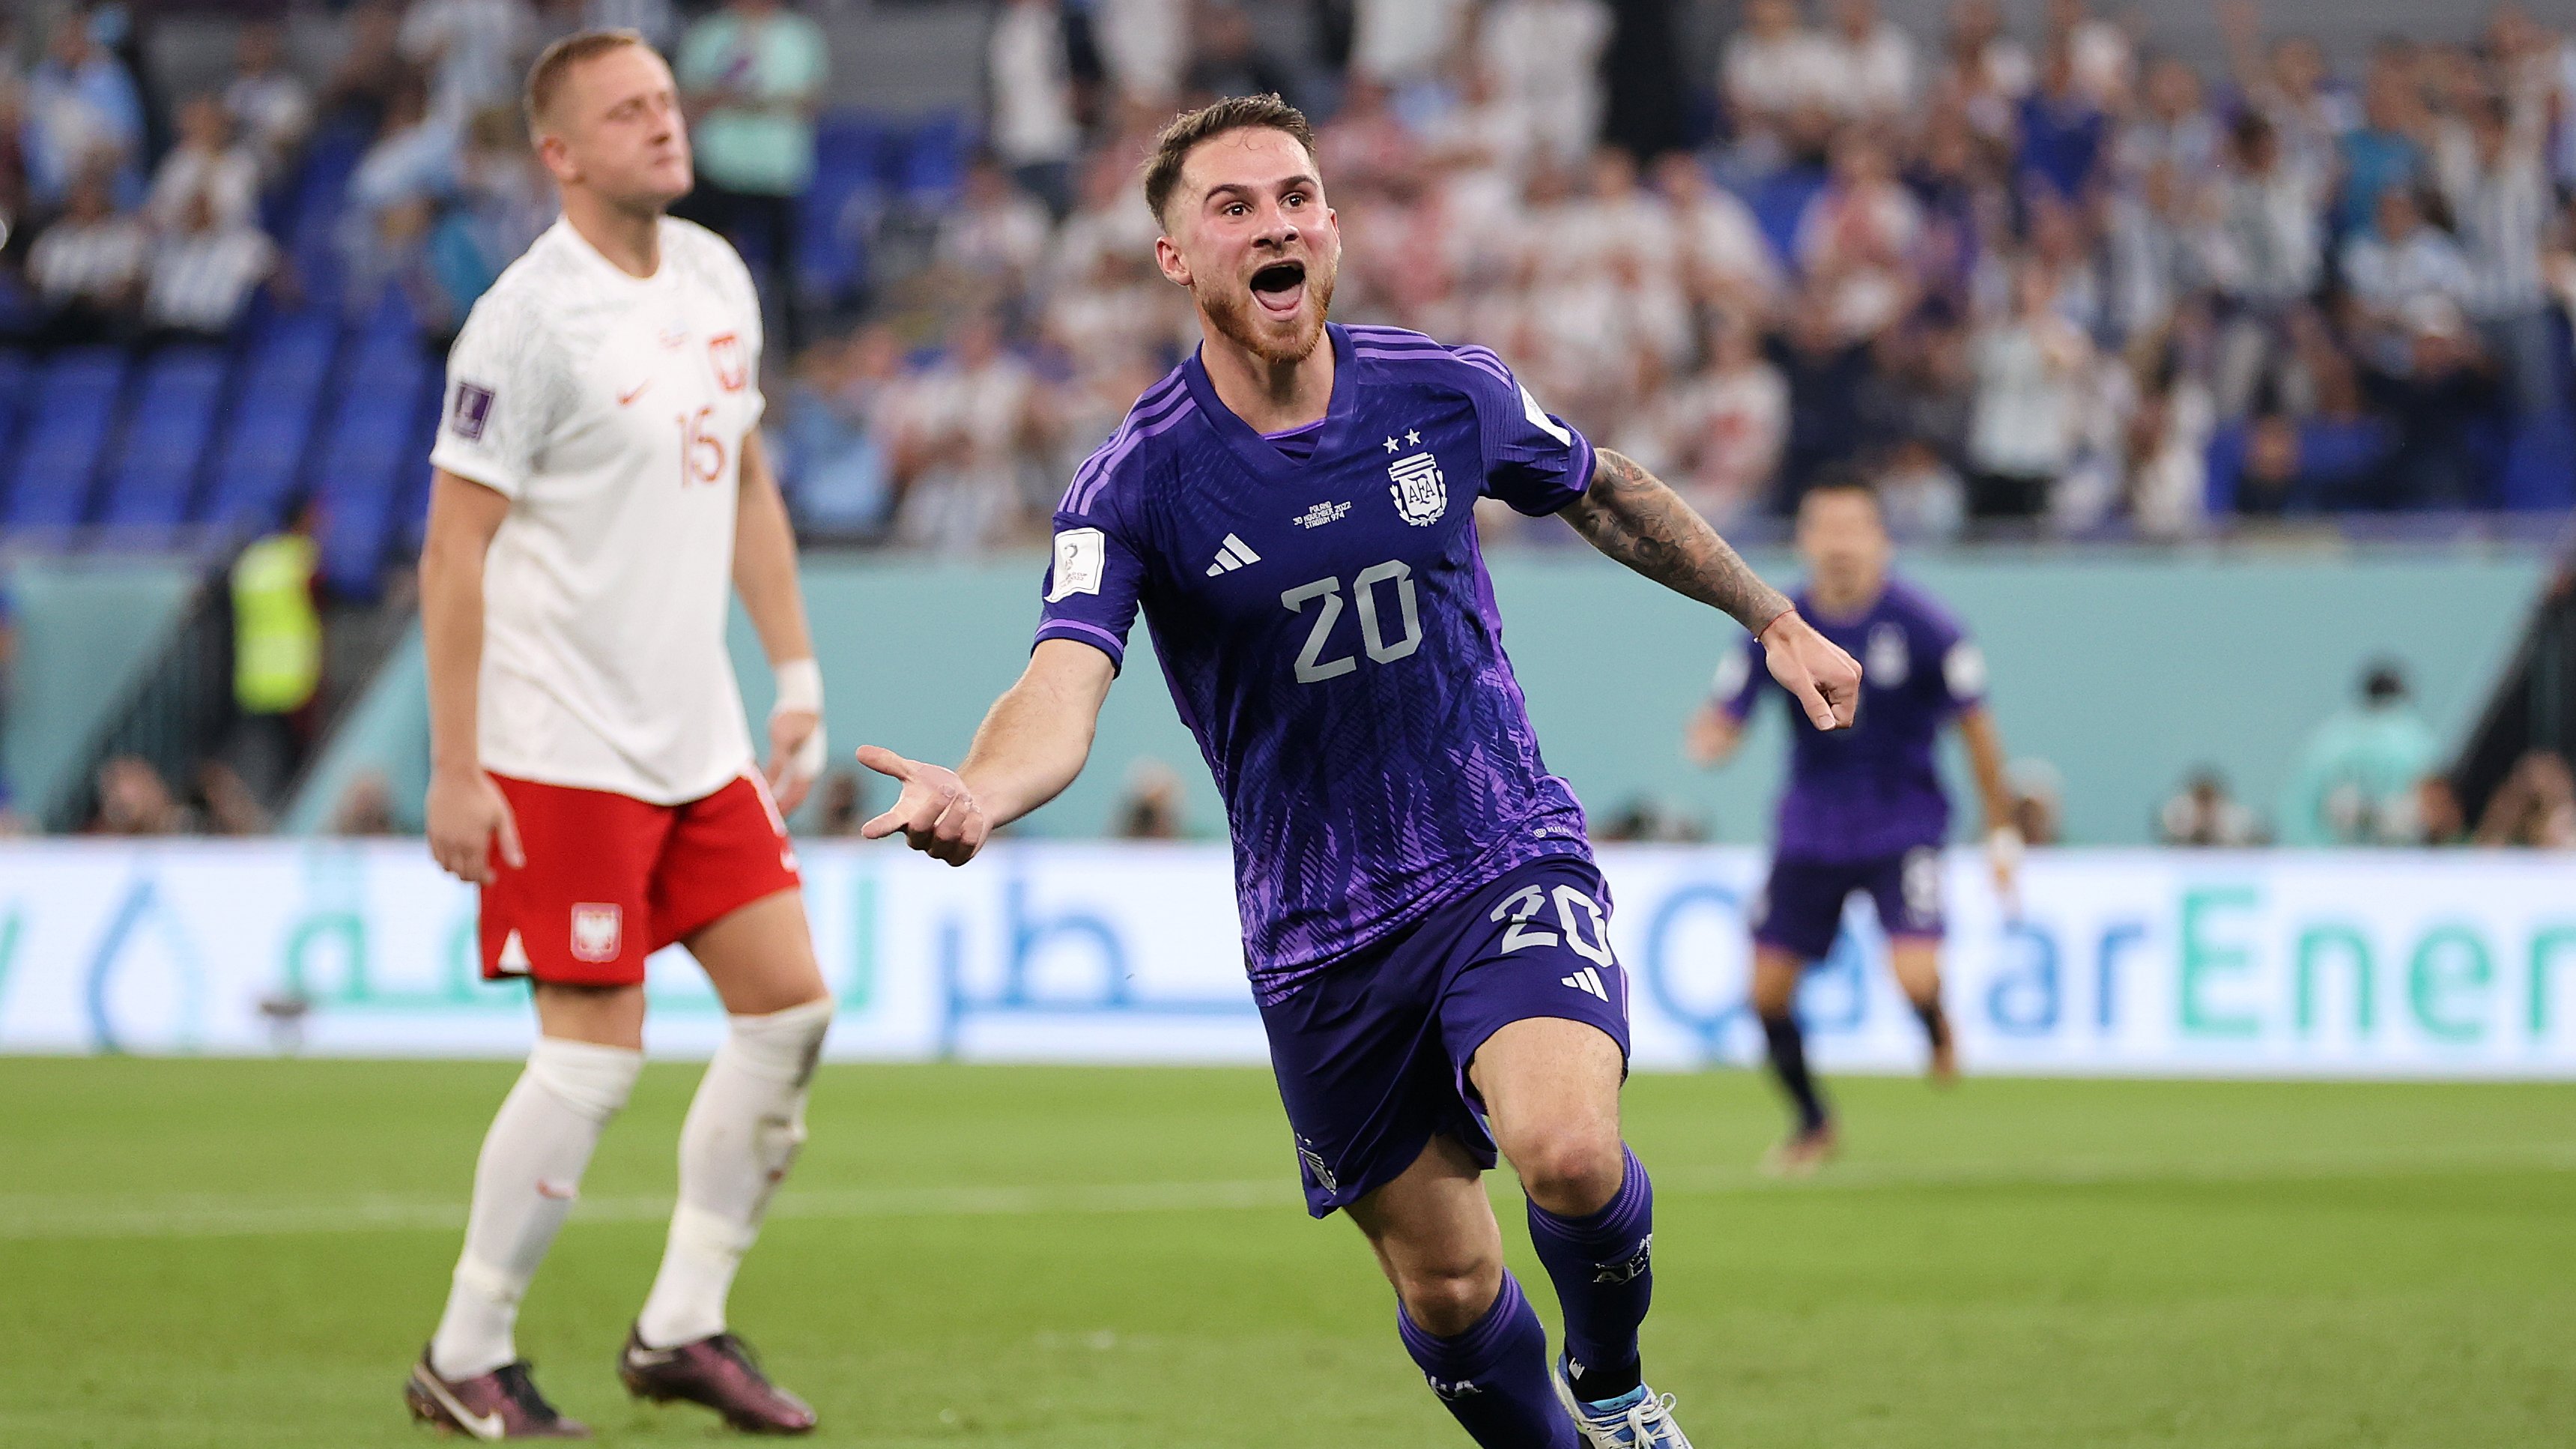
(1640,1419)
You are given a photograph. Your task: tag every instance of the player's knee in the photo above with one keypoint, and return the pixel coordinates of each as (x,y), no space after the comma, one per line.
(1774,998)
(1569,1168)
(1445,1296)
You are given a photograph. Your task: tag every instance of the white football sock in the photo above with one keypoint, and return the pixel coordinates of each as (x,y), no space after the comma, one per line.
(743,1129)
(524,1184)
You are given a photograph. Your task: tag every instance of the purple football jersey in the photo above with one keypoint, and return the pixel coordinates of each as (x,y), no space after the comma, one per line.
(1872,790)
(1329,633)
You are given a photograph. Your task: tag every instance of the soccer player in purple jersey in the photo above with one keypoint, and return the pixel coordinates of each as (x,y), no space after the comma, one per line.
(1864,809)
(1292,510)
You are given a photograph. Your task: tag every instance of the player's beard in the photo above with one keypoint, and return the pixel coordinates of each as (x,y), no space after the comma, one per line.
(1232,314)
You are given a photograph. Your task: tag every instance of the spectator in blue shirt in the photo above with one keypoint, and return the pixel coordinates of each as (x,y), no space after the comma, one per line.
(2381,152)
(2061,131)
(82,109)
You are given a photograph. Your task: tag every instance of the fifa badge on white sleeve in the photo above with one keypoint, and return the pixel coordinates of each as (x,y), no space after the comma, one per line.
(1081,557)
(597,931)
(473,410)
(1421,494)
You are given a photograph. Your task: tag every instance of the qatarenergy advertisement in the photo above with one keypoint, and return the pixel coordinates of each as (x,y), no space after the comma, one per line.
(2205,964)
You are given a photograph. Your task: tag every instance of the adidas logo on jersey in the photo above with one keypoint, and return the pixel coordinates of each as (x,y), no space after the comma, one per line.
(1234,554)
(1588,981)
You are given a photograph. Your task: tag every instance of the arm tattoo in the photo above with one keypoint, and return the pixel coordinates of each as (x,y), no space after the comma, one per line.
(1629,514)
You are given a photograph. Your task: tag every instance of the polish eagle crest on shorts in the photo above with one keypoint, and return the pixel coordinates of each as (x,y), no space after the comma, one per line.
(1421,494)
(596,930)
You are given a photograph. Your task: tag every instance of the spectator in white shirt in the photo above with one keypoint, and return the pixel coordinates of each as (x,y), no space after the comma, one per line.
(2264,255)
(658,21)
(1857,236)
(2402,258)
(2105,63)
(1029,83)
(1720,435)
(1868,63)
(1725,259)
(1545,58)
(206,163)
(994,238)
(962,441)
(82,110)
(2174,128)
(203,272)
(271,108)
(2023,430)
(473,49)
(1774,66)
(1986,72)
(1145,46)
(88,266)
(1398,42)
(2502,208)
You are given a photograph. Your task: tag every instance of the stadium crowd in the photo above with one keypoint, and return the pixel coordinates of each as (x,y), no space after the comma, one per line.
(2049,281)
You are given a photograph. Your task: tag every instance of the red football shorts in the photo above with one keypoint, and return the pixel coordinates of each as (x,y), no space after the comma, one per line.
(611,879)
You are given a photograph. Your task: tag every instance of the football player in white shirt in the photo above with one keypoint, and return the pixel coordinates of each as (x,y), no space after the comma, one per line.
(600,489)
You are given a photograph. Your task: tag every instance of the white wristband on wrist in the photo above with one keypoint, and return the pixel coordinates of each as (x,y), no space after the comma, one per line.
(2005,844)
(800,689)
(800,686)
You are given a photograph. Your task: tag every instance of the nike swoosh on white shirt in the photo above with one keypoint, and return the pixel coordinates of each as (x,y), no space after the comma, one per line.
(481,1426)
(624,398)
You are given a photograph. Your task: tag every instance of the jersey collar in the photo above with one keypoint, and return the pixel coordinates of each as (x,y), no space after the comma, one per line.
(1258,453)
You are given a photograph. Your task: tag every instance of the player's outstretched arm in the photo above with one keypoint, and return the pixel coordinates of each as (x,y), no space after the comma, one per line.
(1986,760)
(467,813)
(1629,514)
(1710,736)
(1030,746)
(764,574)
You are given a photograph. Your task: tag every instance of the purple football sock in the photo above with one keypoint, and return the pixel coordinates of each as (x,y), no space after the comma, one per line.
(1493,1378)
(1603,1268)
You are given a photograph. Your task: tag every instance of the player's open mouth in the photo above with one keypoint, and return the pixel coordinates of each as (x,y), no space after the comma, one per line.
(1280,288)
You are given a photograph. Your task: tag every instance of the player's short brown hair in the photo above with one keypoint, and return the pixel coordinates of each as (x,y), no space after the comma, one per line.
(546,77)
(1188,129)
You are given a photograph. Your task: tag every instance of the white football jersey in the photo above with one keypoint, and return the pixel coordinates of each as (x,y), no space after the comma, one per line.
(611,411)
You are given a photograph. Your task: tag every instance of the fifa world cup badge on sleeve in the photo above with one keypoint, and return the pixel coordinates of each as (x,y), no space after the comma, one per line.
(1081,555)
(1421,494)
(473,410)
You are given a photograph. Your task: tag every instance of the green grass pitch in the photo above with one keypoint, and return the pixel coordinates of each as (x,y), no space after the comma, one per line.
(250,1253)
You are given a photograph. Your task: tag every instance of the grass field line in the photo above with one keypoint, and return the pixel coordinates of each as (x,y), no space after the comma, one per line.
(41,1217)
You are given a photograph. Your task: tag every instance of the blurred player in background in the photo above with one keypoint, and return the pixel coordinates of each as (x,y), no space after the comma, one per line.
(600,489)
(1293,510)
(1864,810)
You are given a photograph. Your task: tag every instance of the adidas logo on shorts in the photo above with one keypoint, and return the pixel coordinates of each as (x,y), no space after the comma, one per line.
(1587,980)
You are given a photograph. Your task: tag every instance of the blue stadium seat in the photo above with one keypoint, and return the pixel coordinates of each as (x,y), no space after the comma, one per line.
(169,425)
(362,472)
(935,162)
(262,455)
(2540,464)
(16,375)
(74,401)
(1779,200)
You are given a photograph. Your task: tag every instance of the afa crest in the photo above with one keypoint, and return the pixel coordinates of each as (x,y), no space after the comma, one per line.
(1421,494)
